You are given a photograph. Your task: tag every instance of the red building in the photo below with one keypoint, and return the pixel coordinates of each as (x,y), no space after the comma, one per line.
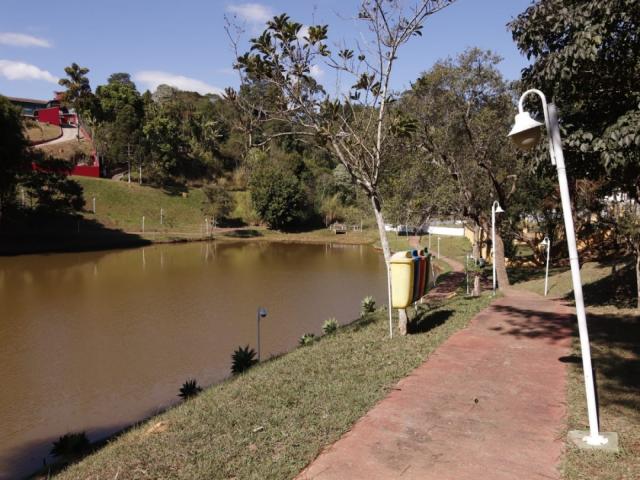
(46,111)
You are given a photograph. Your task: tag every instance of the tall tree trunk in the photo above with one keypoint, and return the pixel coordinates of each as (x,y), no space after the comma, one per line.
(638,273)
(384,243)
(501,267)
(477,252)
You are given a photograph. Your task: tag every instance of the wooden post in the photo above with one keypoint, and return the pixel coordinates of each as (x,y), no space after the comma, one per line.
(403,320)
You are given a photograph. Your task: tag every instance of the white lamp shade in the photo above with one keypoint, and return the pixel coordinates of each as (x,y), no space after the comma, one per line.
(499,209)
(525,133)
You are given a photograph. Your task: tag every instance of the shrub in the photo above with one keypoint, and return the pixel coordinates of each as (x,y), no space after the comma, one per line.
(307,339)
(330,326)
(189,389)
(277,195)
(368,305)
(71,446)
(218,202)
(243,359)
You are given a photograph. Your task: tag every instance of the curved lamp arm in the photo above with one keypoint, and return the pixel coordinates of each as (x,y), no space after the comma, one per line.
(545,111)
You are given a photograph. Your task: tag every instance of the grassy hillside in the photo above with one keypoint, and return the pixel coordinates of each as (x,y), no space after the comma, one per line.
(122,205)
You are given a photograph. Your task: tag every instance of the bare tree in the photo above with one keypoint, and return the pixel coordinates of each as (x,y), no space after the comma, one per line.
(355,121)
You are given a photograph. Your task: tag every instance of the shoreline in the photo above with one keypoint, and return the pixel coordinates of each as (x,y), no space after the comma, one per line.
(86,242)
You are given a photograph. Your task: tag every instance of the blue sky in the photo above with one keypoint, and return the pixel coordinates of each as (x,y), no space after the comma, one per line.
(184,43)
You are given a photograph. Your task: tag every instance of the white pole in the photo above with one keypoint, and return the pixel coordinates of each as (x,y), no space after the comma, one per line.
(438,247)
(546,275)
(493,245)
(94,205)
(429,233)
(143,224)
(557,158)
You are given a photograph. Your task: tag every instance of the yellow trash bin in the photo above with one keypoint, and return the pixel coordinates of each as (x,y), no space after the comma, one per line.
(401,279)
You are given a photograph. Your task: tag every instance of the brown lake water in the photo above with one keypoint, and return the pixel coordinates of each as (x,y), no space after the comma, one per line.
(97,341)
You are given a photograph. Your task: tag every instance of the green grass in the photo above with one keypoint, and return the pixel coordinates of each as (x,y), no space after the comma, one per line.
(601,286)
(614,334)
(273,420)
(451,247)
(122,205)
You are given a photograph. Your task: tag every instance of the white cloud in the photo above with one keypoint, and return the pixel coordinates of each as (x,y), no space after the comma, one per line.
(24,71)
(316,72)
(22,40)
(152,78)
(251,12)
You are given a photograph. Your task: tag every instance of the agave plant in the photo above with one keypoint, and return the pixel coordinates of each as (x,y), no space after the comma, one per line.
(368,305)
(330,326)
(307,339)
(189,389)
(71,446)
(243,359)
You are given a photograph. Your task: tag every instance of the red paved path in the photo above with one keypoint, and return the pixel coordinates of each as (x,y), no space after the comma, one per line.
(488,404)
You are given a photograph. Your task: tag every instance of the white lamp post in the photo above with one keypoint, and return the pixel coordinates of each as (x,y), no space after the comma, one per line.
(495,208)
(262,313)
(525,134)
(547,243)
(438,247)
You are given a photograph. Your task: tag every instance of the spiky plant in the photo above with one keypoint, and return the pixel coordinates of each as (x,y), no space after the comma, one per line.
(368,305)
(330,326)
(307,339)
(243,359)
(189,389)
(71,446)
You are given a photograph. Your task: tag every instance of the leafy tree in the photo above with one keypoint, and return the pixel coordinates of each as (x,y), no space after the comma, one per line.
(78,93)
(50,185)
(277,195)
(463,107)
(166,143)
(587,61)
(121,77)
(218,202)
(355,125)
(14,157)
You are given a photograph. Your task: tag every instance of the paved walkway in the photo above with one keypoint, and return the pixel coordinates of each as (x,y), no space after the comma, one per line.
(489,403)
(68,134)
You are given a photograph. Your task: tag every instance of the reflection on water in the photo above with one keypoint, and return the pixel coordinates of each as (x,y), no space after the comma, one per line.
(96,341)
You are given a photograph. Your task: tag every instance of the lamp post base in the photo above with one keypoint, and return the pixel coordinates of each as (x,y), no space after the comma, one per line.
(606,441)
